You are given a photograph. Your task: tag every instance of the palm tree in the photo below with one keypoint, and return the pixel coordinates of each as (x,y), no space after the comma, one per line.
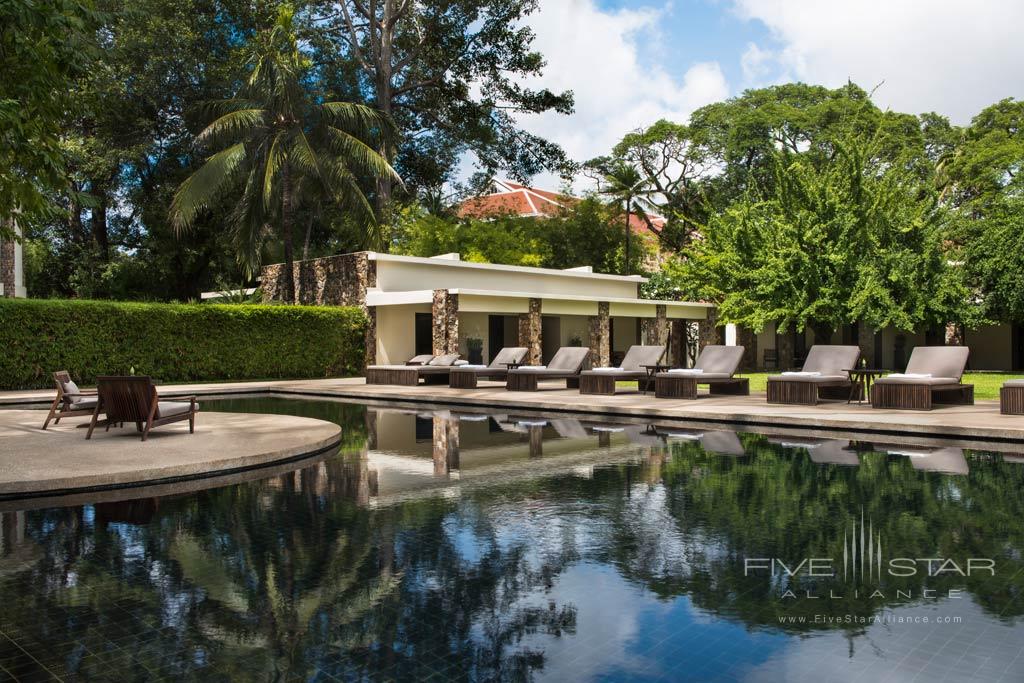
(627,188)
(274,133)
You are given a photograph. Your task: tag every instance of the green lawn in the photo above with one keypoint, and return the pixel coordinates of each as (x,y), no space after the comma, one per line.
(986,384)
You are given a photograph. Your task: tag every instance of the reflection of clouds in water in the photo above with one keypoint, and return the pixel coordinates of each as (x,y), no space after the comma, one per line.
(977,649)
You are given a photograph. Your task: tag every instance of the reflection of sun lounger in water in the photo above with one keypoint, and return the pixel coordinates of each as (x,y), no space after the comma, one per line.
(822,451)
(717,442)
(948,460)
(569,429)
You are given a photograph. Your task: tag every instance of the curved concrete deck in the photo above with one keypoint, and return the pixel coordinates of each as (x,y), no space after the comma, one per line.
(34,462)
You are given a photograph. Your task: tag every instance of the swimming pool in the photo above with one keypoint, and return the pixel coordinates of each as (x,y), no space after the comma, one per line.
(509,547)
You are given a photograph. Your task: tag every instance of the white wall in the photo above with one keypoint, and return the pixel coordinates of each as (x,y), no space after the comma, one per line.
(400,276)
(625,334)
(575,326)
(396,332)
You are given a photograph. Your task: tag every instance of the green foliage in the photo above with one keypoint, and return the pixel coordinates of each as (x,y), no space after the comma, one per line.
(994,258)
(828,244)
(175,342)
(43,47)
(588,234)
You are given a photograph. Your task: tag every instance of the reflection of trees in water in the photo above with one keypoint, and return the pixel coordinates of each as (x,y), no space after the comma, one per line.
(296,573)
(275,579)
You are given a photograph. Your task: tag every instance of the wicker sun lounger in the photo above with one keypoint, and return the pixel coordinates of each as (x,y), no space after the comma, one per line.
(824,375)
(431,369)
(933,376)
(135,399)
(467,376)
(715,367)
(566,364)
(1011,397)
(631,369)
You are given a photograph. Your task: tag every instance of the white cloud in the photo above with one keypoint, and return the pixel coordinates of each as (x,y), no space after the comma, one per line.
(949,56)
(596,54)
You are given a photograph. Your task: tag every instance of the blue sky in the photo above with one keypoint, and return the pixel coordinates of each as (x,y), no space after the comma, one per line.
(631,62)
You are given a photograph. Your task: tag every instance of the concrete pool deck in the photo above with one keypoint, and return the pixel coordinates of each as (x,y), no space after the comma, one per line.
(981,421)
(34,462)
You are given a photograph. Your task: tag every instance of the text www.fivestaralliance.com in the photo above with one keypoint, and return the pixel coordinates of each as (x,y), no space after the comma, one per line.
(883,619)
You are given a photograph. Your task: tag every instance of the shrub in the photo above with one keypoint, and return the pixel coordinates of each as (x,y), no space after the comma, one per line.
(175,342)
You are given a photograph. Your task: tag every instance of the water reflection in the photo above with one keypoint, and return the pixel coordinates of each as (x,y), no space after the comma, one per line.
(511,547)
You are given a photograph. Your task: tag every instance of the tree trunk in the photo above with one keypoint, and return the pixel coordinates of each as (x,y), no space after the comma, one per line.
(629,207)
(75,217)
(305,242)
(286,234)
(385,90)
(100,234)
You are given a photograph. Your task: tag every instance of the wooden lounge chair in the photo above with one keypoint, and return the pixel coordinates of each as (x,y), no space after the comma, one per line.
(467,376)
(1011,397)
(70,400)
(603,380)
(824,376)
(933,376)
(135,399)
(715,367)
(431,369)
(566,364)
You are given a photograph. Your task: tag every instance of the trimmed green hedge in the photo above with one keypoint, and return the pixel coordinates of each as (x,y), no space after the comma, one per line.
(175,342)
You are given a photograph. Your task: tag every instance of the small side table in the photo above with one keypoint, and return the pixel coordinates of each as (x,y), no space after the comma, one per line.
(652,370)
(861,380)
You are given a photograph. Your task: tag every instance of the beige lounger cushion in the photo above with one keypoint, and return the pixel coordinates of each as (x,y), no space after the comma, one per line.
(810,378)
(939,361)
(446,360)
(169,408)
(567,359)
(719,359)
(929,381)
(638,356)
(509,354)
(699,376)
(1014,383)
(832,360)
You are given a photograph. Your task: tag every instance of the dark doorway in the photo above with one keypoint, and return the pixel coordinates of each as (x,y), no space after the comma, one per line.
(1017,341)
(424,333)
(495,335)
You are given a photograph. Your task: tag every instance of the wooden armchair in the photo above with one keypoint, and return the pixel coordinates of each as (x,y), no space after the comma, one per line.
(135,399)
(70,400)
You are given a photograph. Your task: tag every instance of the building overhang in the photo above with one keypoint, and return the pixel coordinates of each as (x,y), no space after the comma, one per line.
(491,301)
(448,261)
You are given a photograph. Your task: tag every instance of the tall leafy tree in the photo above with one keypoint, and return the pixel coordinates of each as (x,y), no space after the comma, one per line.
(826,245)
(451,74)
(274,133)
(44,47)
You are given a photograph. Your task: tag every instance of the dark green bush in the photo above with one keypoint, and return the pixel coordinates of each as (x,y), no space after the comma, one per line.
(175,342)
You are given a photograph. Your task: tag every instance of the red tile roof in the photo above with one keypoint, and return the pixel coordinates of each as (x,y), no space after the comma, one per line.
(521,200)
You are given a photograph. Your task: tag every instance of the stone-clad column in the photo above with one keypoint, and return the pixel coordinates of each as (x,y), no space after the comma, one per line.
(530,331)
(445,322)
(708,330)
(747,338)
(954,334)
(654,331)
(600,336)
(7,277)
(371,335)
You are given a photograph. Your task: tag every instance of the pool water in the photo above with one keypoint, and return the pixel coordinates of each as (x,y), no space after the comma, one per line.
(462,546)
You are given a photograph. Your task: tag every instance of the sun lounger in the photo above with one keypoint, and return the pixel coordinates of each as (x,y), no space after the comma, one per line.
(135,399)
(715,367)
(631,369)
(933,376)
(822,451)
(431,369)
(467,376)
(566,364)
(70,400)
(824,375)
(1011,397)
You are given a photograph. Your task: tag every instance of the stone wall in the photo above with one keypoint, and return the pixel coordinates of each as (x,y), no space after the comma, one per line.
(330,281)
(709,331)
(7,267)
(747,338)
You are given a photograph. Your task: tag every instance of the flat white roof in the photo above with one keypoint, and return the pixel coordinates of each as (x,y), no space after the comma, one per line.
(452,263)
(376,297)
